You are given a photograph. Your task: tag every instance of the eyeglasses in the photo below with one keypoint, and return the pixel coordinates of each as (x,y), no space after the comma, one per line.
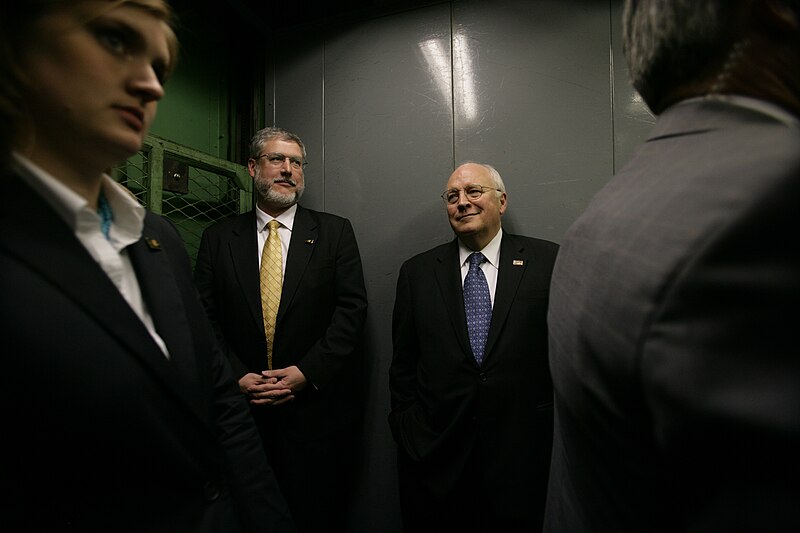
(276,159)
(472,192)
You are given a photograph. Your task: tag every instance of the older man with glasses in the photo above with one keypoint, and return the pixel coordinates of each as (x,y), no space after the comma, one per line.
(470,386)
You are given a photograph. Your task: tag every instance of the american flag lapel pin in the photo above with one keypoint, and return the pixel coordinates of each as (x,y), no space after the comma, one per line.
(309,241)
(517,262)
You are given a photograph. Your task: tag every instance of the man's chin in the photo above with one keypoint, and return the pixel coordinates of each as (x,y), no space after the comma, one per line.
(463,230)
(283,200)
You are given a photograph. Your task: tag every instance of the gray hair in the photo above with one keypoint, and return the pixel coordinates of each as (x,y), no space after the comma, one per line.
(493,173)
(671,43)
(265,135)
(498,181)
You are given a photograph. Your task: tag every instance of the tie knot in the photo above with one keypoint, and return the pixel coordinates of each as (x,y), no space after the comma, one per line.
(273,225)
(475,259)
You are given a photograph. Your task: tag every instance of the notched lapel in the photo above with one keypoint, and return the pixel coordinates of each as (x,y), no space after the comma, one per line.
(513,262)
(164,303)
(305,237)
(243,246)
(448,277)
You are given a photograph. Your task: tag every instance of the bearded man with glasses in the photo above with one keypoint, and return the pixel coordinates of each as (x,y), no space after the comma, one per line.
(292,333)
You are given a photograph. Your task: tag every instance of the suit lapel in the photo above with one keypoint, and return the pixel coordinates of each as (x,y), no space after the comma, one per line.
(448,277)
(243,247)
(34,233)
(38,236)
(305,234)
(513,262)
(161,294)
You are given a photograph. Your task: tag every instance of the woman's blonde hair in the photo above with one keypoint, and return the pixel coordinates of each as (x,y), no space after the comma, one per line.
(17,18)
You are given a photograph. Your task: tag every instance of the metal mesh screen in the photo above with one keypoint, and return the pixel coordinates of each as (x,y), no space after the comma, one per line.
(216,188)
(135,175)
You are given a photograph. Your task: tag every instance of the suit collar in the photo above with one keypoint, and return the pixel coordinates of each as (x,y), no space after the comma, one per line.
(747,103)
(448,276)
(243,247)
(244,223)
(305,236)
(513,262)
(160,290)
(698,115)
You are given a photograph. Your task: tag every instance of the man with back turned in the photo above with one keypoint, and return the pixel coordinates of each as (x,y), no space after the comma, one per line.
(673,308)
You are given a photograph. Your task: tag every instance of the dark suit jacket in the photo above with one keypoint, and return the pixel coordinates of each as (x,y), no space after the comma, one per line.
(673,320)
(320,318)
(443,404)
(102,432)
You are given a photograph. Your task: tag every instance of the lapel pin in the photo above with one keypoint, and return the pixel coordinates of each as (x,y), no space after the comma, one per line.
(309,241)
(517,262)
(153,244)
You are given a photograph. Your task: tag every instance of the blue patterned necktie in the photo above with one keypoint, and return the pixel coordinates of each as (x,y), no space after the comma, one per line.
(477,305)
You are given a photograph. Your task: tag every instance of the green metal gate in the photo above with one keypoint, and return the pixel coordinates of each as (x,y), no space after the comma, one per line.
(191,188)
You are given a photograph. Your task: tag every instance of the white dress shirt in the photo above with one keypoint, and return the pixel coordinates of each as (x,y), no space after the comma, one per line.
(490,267)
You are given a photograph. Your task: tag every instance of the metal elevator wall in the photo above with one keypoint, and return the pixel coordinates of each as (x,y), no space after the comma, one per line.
(387,106)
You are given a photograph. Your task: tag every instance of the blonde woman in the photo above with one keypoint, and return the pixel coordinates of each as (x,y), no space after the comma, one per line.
(120,413)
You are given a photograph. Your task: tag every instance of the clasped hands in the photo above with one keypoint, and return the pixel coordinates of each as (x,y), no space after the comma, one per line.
(273,387)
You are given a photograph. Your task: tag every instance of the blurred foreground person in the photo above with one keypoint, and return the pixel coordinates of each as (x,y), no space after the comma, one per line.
(674,302)
(120,413)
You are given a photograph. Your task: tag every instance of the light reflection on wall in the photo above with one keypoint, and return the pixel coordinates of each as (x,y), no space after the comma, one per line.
(438,60)
(436,55)
(463,65)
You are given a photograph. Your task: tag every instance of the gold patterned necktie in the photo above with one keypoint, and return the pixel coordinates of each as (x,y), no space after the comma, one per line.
(271,284)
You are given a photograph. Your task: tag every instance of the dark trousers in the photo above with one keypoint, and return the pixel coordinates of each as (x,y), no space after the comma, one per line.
(467,508)
(316,478)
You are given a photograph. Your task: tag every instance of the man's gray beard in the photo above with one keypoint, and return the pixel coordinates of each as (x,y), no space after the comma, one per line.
(266,193)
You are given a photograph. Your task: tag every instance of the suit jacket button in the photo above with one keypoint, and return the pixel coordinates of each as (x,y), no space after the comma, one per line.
(483,376)
(210,491)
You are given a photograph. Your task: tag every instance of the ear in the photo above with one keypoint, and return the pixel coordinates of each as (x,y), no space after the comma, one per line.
(251,167)
(503,203)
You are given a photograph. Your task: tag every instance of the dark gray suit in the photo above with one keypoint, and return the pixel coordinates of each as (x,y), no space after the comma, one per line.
(101,431)
(446,410)
(673,319)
